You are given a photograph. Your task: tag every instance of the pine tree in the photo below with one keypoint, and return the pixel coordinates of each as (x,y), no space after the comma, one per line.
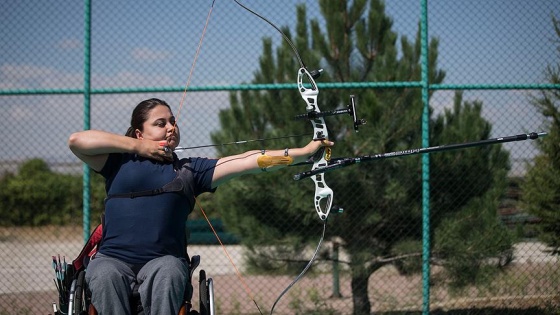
(541,189)
(382,220)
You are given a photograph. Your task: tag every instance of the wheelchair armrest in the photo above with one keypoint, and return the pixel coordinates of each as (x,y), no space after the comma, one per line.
(193,264)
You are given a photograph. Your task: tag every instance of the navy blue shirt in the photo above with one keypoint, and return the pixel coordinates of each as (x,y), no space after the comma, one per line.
(137,230)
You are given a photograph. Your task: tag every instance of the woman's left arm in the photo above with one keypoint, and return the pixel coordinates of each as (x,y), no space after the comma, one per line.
(256,161)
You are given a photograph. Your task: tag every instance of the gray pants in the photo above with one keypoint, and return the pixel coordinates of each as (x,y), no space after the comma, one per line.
(162,283)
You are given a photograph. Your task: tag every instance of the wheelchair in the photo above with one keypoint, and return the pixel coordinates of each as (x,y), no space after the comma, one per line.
(75,297)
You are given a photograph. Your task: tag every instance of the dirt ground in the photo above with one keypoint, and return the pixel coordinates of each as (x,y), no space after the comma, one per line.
(301,300)
(530,285)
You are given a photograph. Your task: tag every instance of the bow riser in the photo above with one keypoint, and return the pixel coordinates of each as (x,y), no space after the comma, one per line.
(323,194)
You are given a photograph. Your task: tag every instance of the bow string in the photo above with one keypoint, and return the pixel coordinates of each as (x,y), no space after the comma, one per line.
(309,92)
(181,104)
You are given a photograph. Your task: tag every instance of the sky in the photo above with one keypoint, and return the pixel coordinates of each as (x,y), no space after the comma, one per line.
(153,43)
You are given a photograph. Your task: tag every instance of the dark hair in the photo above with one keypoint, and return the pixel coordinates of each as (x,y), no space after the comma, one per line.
(140,115)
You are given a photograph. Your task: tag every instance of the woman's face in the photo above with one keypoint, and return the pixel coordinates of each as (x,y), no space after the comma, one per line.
(160,125)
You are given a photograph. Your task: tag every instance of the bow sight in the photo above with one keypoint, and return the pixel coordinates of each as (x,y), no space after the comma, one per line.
(350,110)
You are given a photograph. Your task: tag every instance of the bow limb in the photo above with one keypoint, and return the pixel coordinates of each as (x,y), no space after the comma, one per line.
(323,193)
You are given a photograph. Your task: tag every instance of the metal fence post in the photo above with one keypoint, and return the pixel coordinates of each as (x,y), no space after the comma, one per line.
(87,124)
(425,162)
(336,271)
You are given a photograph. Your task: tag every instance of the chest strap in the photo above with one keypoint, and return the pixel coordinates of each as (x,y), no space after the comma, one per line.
(182,183)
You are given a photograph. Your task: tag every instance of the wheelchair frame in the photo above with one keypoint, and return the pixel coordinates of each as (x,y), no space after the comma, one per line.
(79,302)
(73,292)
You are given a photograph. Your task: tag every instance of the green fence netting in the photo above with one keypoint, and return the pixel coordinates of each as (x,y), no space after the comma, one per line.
(455,232)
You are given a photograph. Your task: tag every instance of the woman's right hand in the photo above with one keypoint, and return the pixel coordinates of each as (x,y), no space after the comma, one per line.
(156,150)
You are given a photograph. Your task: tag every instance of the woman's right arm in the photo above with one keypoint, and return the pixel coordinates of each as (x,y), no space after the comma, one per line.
(94,146)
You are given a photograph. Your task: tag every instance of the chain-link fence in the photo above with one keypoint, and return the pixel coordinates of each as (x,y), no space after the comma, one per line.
(496,52)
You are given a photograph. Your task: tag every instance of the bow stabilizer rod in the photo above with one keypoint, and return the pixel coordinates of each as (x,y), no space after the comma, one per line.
(343,162)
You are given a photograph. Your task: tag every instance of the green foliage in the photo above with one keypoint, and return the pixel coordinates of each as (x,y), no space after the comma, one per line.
(470,242)
(38,196)
(541,189)
(468,231)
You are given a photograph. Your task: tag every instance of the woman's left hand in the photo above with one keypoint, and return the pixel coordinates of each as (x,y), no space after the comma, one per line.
(315,145)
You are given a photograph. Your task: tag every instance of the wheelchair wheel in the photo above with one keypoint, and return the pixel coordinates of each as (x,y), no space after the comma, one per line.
(206,291)
(204,307)
(79,307)
(211,296)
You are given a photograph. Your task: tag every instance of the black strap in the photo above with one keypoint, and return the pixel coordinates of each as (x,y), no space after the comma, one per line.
(178,184)
(137,194)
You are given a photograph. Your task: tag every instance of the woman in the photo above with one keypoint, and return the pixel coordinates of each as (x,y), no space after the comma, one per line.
(144,227)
